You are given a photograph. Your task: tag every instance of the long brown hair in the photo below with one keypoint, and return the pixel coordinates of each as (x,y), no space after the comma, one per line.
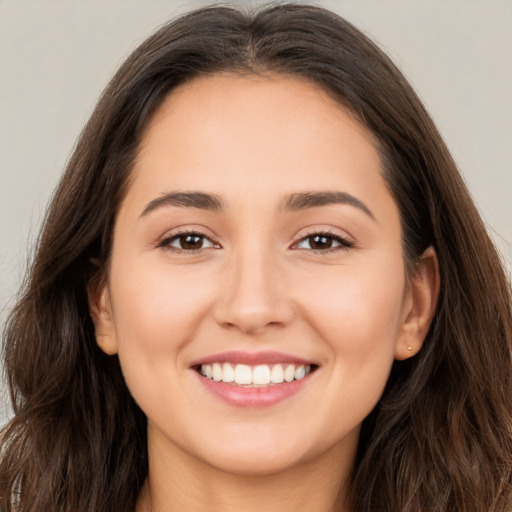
(440,439)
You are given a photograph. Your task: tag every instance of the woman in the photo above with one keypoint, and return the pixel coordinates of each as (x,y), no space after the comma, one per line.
(261,285)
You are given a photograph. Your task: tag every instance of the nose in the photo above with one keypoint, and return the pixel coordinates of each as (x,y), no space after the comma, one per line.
(253,296)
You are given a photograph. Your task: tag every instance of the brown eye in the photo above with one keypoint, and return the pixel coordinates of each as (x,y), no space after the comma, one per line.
(187,242)
(190,242)
(320,242)
(323,242)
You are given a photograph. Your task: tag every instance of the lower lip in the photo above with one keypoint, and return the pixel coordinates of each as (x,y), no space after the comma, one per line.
(240,396)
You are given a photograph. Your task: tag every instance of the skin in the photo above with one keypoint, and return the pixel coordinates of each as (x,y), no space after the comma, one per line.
(257,283)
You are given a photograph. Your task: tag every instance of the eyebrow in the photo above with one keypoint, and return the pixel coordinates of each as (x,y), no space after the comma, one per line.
(199,200)
(293,202)
(305,200)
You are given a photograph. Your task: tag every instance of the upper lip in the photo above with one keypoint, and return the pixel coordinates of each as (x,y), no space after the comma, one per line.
(251,358)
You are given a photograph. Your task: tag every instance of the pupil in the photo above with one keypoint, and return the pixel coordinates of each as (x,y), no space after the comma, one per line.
(191,242)
(320,242)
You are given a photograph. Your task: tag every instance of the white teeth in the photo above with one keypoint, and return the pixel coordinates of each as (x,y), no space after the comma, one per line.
(300,372)
(289,373)
(260,375)
(277,374)
(216,372)
(228,374)
(243,374)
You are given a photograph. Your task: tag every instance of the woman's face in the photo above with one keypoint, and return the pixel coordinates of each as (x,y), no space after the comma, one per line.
(258,242)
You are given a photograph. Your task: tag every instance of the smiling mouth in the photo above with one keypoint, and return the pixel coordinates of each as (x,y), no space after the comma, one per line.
(255,376)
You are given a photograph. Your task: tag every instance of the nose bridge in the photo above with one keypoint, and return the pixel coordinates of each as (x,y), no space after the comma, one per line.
(253,295)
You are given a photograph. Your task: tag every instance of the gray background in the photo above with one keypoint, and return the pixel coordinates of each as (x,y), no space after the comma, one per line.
(56,57)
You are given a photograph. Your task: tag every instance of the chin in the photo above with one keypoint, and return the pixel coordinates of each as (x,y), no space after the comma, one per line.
(255,463)
(259,451)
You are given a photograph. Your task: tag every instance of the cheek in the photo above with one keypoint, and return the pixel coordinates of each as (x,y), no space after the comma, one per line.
(357,313)
(350,303)
(157,310)
(157,301)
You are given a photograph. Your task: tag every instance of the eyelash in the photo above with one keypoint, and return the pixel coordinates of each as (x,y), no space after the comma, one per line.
(344,243)
(167,241)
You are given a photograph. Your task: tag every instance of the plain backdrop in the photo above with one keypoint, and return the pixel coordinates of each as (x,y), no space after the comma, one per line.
(57,56)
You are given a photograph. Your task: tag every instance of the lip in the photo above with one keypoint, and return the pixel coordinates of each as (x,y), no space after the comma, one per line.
(251,358)
(264,396)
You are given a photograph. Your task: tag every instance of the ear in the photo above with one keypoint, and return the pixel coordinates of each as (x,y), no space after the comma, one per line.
(419,305)
(100,309)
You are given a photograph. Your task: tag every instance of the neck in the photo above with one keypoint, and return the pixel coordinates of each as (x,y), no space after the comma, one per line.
(180,482)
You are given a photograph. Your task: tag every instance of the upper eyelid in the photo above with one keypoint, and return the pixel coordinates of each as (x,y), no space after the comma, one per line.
(185,230)
(164,241)
(174,236)
(343,241)
(310,231)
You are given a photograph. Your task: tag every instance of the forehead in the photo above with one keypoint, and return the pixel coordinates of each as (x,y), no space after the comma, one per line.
(253,138)
(274,111)
(252,101)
